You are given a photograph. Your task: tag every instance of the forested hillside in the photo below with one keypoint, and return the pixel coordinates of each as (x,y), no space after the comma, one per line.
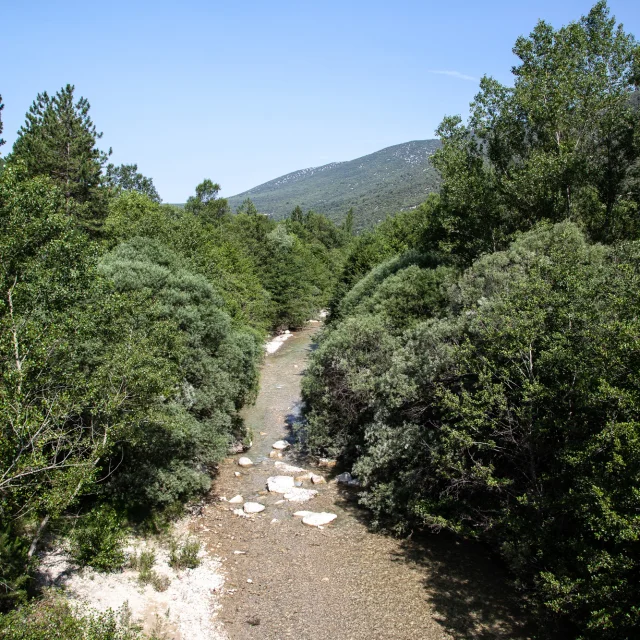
(377,185)
(479,372)
(131,334)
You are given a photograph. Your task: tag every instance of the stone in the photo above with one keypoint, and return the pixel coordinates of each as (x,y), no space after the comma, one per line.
(300,495)
(240,512)
(344,478)
(236,447)
(236,500)
(253,507)
(327,463)
(285,468)
(316,479)
(245,462)
(280,484)
(275,454)
(280,445)
(302,514)
(319,519)
(237,474)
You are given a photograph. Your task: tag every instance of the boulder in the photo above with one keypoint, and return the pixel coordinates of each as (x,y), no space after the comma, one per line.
(285,468)
(319,519)
(280,484)
(236,500)
(275,454)
(300,495)
(253,507)
(316,479)
(280,445)
(245,462)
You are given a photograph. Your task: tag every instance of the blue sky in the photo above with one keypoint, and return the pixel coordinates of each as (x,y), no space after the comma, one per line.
(244,92)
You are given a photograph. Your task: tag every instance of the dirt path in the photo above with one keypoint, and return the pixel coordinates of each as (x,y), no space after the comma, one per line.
(288,580)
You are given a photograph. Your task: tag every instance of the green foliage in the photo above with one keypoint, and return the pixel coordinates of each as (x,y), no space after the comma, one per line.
(58,140)
(14,568)
(98,540)
(185,555)
(54,619)
(206,204)
(127,178)
(560,144)
(376,186)
(490,414)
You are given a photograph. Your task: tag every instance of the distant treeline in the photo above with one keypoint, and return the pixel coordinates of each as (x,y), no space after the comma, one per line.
(480,371)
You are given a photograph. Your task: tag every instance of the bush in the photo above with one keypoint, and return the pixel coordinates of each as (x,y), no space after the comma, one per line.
(54,619)
(99,538)
(512,417)
(185,555)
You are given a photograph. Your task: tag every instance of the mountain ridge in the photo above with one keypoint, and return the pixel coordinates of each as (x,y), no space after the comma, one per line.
(376,185)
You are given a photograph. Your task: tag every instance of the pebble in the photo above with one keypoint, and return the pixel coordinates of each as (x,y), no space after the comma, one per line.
(253,507)
(236,500)
(300,495)
(239,512)
(281,445)
(319,519)
(280,484)
(245,462)
(237,474)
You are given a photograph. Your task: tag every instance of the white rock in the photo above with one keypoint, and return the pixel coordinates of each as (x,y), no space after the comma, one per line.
(236,500)
(285,468)
(281,445)
(300,495)
(316,479)
(245,462)
(319,519)
(240,512)
(237,474)
(253,507)
(280,484)
(275,454)
(302,514)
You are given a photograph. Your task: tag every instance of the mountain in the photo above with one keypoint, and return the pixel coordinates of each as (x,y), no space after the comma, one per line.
(377,185)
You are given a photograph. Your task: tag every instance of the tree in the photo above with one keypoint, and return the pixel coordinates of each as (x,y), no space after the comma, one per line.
(297,215)
(206,204)
(248,207)
(59,140)
(126,178)
(1,126)
(347,225)
(556,145)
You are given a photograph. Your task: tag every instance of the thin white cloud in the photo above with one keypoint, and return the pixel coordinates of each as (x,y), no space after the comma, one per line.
(456,74)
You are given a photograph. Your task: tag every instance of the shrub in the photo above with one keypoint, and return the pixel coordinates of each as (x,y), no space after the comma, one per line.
(54,619)
(185,555)
(98,540)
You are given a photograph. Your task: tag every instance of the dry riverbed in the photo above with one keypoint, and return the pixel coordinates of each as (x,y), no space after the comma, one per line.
(284,579)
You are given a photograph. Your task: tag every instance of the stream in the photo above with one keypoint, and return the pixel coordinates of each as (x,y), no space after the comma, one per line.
(284,579)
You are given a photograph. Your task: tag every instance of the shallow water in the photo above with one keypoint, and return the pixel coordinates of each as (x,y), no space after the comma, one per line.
(343,581)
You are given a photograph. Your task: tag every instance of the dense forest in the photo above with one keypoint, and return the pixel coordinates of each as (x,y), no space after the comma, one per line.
(479,370)
(131,337)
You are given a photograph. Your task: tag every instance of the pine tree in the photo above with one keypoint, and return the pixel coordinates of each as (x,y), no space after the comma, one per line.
(1,108)
(58,140)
